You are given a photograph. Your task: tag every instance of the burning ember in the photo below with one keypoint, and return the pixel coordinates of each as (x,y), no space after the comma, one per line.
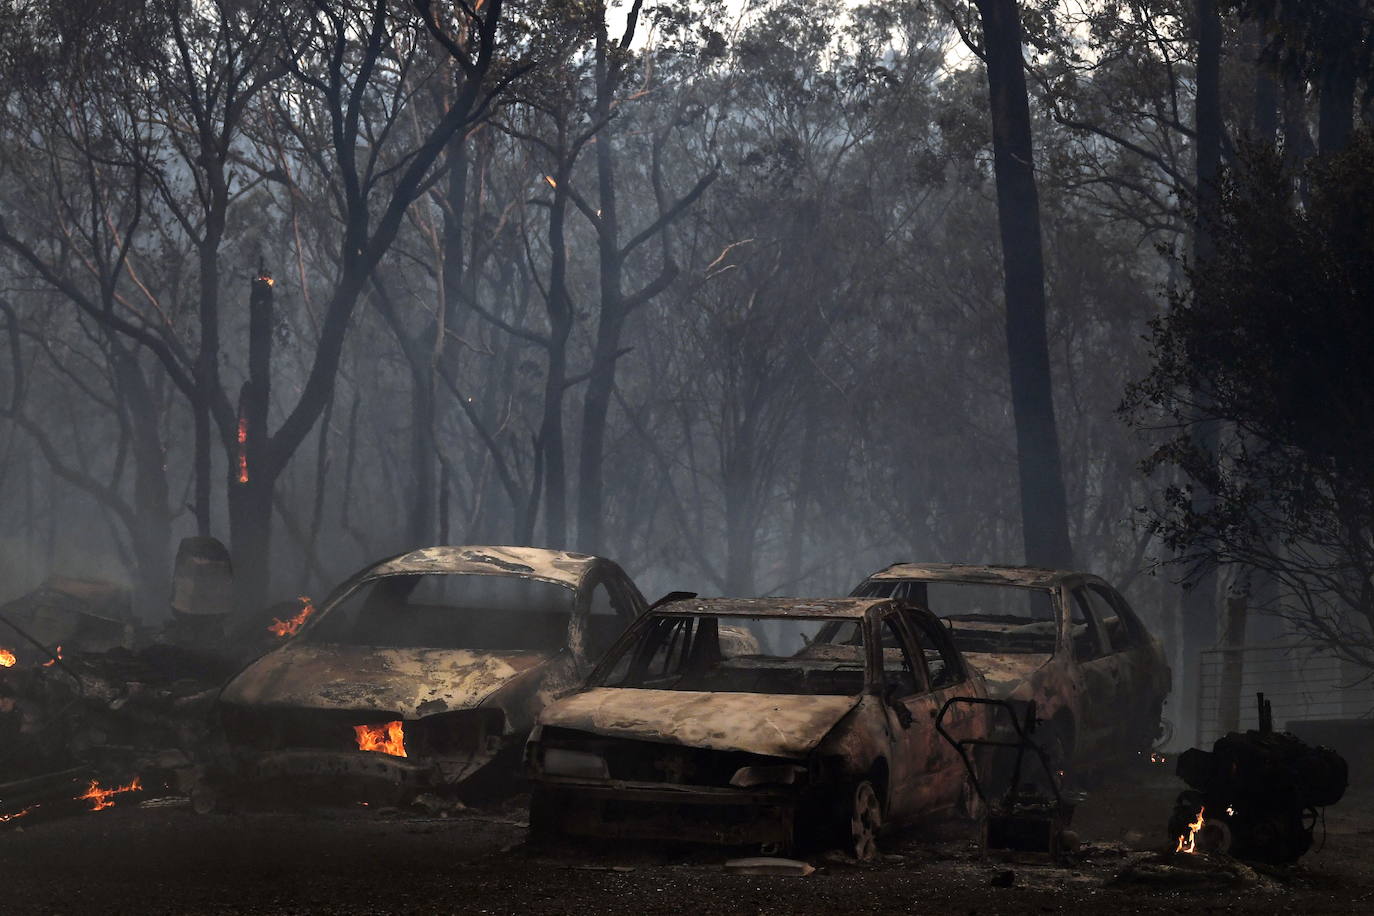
(290,627)
(6,818)
(56,655)
(101,798)
(1157,757)
(7,659)
(243,449)
(1189,844)
(384,739)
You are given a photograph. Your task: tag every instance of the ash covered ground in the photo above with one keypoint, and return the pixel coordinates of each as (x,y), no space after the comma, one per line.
(161,857)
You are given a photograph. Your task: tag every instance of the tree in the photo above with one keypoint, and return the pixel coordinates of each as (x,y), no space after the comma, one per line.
(1044,512)
(1272,339)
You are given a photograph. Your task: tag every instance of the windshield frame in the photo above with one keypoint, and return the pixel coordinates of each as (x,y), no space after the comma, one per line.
(632,635)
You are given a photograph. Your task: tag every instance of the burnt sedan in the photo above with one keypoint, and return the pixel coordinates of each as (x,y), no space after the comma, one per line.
(420,673)
(1066,640)
(774,722)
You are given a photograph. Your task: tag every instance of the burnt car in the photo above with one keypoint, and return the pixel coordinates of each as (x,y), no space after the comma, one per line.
(420,673)
(769,722)
(1066,640)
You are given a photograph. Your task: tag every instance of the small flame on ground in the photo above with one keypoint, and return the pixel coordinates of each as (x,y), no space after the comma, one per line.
(1156,757)
(102,798)
(387,738)
(551,181)
(56,656)
(290,627)
(7,659)
(6,818)
(1189,844)
(243,449)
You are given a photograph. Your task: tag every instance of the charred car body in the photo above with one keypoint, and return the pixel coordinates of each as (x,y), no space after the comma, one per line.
(1065,640)
(420,672)
(764,721)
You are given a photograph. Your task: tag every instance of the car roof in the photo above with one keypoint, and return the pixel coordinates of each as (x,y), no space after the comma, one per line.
(558,566)
(773,607)
(1021,576)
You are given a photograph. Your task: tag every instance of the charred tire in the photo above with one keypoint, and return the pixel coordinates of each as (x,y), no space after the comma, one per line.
(865,820)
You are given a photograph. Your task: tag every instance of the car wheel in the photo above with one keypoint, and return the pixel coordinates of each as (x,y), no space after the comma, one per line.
(865,821)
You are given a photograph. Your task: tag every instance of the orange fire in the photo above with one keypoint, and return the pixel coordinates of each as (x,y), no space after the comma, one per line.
(1189,844)
(290,627)
(56,656)
(243,449)
(7,659)
(384,739)
(101,798)
(6,818)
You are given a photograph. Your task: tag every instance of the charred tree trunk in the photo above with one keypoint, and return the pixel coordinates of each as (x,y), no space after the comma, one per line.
(252,474)
(1199,607)
(559,306)
(1044,512)
(151,533)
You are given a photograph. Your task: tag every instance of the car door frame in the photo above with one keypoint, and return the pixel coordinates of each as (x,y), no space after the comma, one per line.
(1095,680)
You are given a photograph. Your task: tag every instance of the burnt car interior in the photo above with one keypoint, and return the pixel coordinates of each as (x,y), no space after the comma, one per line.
(981,618)
(728,655)
(460,611)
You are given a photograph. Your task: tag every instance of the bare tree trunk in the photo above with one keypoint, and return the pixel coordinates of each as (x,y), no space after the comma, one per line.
(151,533)
(560,327)
(252,474)
(1199,610)
(1044,513)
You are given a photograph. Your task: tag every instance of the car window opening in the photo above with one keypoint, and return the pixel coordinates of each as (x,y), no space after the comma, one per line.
(452,611)
(730,654)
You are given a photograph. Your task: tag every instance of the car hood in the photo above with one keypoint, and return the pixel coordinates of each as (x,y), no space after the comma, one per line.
(769,724)
(411,682)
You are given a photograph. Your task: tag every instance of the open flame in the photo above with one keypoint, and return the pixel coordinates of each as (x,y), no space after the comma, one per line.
(57,655)
(387,738)
(6,818)
(290,627)
(1189,844)
(243,449)
(101,799)
(7,659)
(1158,758)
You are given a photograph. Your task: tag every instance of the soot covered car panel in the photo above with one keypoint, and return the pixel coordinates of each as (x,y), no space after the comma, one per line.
(420,672)
(769,722)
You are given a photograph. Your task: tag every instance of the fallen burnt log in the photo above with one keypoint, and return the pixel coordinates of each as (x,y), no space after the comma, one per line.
(1256,795)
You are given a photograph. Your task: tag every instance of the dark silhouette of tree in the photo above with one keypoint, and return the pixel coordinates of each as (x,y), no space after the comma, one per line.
(1272,339)
(1044,512)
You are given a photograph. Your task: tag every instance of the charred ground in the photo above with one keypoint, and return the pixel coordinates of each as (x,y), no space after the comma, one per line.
(163,858)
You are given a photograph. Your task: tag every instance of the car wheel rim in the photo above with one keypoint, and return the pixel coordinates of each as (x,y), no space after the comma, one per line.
(866,819)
